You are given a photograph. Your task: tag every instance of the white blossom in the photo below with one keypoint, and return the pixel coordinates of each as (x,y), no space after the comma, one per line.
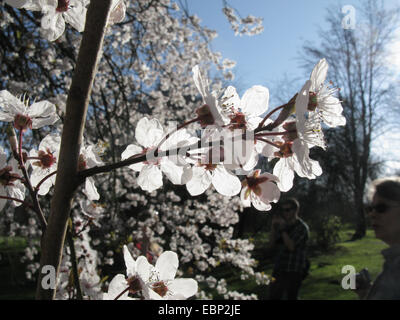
(58,12)
(10,184)
(160,282)
(35,116)
(44,161)
(322,101)
(260,190)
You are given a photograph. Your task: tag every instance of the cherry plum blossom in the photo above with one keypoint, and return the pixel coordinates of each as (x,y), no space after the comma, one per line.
(160,282)
(10,183)
(35,116)
(58,12)
(322,101)
(44,162)
(260,190)
(149,133)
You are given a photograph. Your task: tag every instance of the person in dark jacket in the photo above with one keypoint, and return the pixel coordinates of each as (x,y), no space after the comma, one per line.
(288,239)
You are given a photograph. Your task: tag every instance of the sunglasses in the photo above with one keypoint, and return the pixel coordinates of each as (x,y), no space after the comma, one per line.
(379,208)
(288,209)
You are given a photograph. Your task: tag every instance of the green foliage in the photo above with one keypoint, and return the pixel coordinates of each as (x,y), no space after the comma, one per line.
(325,232)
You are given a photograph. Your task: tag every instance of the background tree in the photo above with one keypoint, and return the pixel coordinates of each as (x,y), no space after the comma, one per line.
(358,65)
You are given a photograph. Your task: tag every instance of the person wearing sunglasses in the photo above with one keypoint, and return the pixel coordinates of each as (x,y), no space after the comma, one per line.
(288,239)
(384,212)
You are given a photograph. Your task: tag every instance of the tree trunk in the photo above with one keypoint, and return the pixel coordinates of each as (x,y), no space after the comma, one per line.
(360,223)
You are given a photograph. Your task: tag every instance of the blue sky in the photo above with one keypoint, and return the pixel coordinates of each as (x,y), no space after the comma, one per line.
(264,59)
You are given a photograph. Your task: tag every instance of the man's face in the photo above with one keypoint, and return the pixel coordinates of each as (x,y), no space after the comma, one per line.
(288,212)
(385,219)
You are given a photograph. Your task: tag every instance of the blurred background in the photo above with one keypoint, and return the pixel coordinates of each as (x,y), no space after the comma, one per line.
(146,70)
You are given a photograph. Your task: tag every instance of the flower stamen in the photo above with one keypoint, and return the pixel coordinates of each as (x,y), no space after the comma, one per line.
(160,288)
(22,122)
(63,5)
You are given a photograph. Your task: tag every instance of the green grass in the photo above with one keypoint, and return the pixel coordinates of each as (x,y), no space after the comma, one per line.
(9,244)
(13,285)
(324,281)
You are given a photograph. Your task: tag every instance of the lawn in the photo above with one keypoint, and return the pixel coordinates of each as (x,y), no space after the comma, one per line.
(13,284)
(323,283)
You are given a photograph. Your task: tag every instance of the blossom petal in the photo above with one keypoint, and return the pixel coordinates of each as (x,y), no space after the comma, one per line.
(143,268)
(17,191)
(202,85)
(258,204)
(167,264)
(93,158)
(200,82)
(255,100)
(130,263)
(41,109)
(331,113)
(173,172)
(37,175)
(52,142)
(53,25)
(148,133)
(301,105)
(17,3)
(230,99)
(200,181)
(185,287)
(268,150)
(33,6)
(269,192)
(131,150)
(7,117)
(10,105)
(238,152)
(117,285)
(90,189)
(150,178)
(285,173)
(41,122)
(225,182)
(318,75)
(118,12)
(76,16)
